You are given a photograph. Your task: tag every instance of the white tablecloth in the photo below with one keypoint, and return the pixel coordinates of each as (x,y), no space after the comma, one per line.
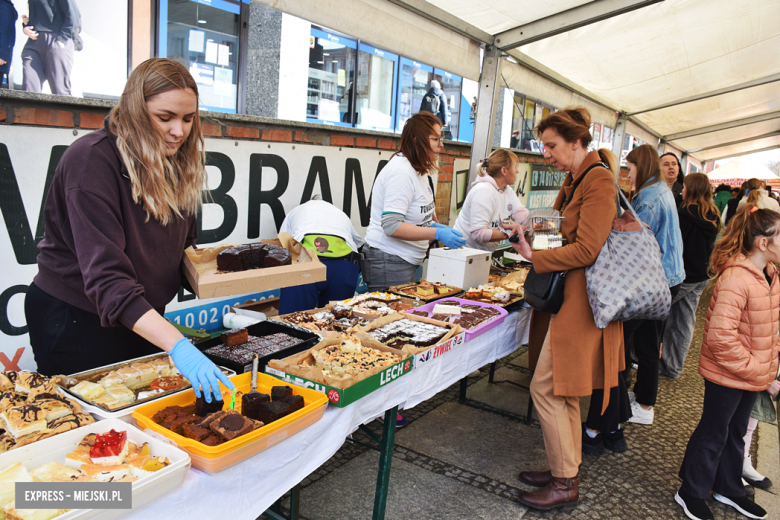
(247,489)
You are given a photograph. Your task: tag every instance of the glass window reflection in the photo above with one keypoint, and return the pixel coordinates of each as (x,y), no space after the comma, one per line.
(450,86)
(330,78)
(375,88)
(413,85)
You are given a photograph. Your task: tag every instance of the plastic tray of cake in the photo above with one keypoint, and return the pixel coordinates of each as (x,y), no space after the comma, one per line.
(239,358)
(217,458)
(122,412)
(450,303)
(418,291)
(146,489)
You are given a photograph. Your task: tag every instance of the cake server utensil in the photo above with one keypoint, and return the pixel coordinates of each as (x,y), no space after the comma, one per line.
(233,400)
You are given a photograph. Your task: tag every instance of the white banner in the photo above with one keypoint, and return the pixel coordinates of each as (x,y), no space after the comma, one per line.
(254,184)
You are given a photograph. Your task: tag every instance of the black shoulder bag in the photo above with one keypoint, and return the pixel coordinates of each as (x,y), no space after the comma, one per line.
(544,292)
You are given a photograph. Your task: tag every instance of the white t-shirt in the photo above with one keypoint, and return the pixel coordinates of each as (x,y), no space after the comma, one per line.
(485,207)
(319,216)
(399,189)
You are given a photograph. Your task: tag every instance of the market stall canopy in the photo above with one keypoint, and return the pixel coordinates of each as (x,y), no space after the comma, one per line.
(703,75)
(740,169)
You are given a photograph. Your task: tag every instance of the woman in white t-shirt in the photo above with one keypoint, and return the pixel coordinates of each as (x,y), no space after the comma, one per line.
(403,209)
(490,202)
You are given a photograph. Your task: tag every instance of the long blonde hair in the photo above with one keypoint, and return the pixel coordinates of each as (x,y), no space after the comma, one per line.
(165,187)
(748,224)
(754,185)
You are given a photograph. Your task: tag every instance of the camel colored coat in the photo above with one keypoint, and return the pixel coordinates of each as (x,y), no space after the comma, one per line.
(584,357)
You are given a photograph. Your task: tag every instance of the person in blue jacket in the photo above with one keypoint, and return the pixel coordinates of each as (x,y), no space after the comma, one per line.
(8,16)
(655,204)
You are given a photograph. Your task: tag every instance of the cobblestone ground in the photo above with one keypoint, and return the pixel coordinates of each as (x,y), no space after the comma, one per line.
(639,484)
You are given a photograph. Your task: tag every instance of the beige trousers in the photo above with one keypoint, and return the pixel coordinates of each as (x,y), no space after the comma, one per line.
(559,416)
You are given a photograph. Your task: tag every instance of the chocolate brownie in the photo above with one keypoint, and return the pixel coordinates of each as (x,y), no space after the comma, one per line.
(441,317)
(234,337)
(176,425)
(277,256)
(169,412)
(231,259)
(250,404)
(202,408)
(420,313)
(193,431)
(269,412)
(279,392)
(212,440)
(295,401)
(206,421)
(232,425)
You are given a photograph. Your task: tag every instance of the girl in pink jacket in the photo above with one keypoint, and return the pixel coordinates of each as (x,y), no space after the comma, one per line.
(738,360)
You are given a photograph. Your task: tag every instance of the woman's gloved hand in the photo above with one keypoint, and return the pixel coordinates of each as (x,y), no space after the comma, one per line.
(199,370)
(437,225)
(449,237)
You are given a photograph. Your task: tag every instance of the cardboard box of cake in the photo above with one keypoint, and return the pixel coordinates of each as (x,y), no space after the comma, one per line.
(375,305)
(334,317)
(229,269)
(345,367)
(411,333)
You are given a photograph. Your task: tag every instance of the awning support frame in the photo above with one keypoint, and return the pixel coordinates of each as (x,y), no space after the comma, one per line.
(487,100)
(566,21)
(723,126)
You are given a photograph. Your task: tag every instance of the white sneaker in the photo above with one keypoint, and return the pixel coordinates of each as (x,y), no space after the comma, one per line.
(631,397)
(640,415)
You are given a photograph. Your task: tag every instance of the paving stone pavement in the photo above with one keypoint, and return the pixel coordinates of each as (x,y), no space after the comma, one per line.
(458,461)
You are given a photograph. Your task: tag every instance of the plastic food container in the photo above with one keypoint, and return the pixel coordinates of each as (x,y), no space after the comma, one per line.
(482,328)
(264,328)
(145,490)
(124,413)
(216,458)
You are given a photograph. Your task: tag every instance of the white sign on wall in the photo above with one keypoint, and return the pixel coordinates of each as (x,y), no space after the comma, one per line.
(253,186)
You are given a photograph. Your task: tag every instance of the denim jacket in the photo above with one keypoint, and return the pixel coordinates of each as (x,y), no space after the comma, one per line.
(655,206)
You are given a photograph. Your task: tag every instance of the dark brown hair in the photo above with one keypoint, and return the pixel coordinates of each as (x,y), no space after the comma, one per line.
(749,223)
(647,166)
(573,124)
(415,142)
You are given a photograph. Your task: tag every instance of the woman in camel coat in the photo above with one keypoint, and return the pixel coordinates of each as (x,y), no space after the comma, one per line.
(571,356)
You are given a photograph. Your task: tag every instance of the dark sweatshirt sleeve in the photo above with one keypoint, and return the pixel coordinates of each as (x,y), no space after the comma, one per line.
(110,280)
(192,238)
(71,16)
(8,17)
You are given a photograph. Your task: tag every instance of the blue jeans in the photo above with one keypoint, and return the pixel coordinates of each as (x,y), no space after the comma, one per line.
(679,328)
(340,282)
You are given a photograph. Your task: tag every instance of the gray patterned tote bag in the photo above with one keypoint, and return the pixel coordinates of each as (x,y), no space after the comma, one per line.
(627,281)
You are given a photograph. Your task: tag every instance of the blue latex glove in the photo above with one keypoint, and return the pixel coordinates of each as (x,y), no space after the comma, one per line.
(437,225)
(449,237)
(199,370)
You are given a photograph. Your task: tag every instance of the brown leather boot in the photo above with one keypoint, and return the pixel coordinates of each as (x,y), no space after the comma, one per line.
(535,478)
(560,492)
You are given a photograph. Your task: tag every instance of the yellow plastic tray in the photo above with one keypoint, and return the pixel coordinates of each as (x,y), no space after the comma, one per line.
(217,458)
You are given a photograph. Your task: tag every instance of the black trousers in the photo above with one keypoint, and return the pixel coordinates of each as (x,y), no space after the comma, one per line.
(713,458)
(66,339)
(618,410)
(645,337)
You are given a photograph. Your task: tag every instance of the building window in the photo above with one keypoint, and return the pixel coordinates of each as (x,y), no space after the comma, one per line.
(204,36)
(375,88)
(450,84)
(330,92)
(413,85)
